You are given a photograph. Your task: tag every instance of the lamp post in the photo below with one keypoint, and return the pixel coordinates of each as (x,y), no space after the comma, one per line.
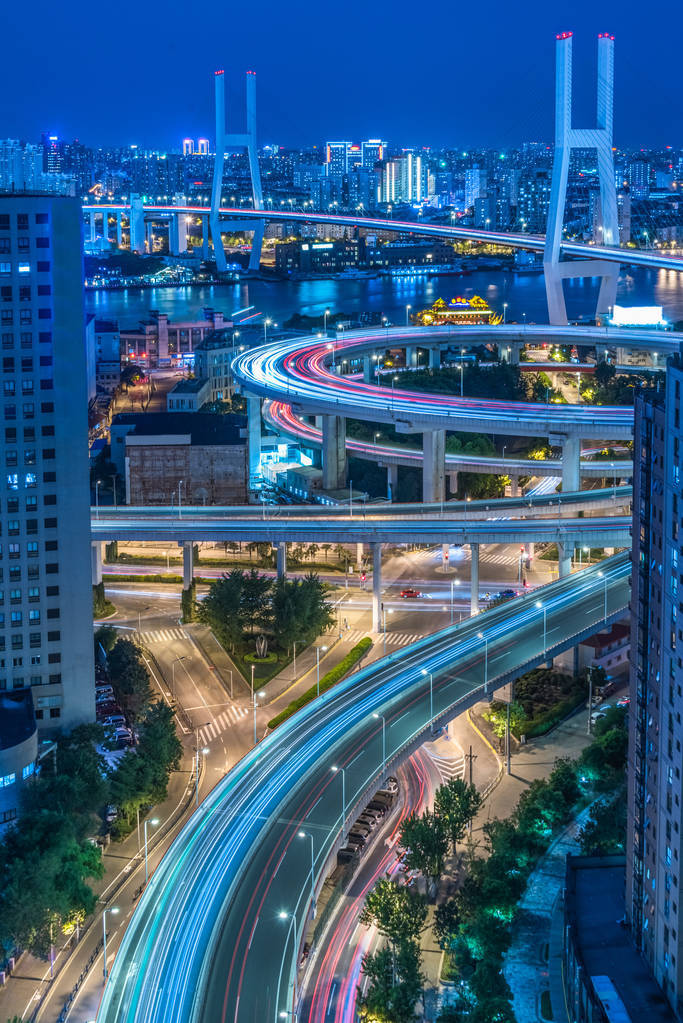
(454,582)
(317,667)
(505,313)
(180,510)
(384,626)
(325,315)
(343,774)
(603,576)
(461,377)
(384,741)
(545,623)
(431,692)
(330,348)
(408,308)
(255,705)
(486,659)
(303,834)
(184,658)
(154,823)
(197,750)
(113,909)
(266,324)
(97,498)
(292,924)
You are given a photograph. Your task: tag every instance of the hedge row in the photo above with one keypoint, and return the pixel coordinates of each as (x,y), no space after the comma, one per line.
(326,682)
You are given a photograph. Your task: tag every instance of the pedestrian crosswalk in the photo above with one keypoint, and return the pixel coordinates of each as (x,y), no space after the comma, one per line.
(163,635)
(393,638)
(221,723)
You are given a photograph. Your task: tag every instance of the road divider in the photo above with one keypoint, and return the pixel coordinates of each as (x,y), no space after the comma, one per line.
(333,676)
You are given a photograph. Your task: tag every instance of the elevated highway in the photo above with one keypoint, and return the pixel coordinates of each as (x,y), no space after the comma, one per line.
(217,934)
(530,242)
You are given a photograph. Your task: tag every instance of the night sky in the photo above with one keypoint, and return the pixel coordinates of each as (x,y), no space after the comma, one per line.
(442,73)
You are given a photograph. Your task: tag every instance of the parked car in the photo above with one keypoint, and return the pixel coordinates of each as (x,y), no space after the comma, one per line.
(369,819)
(625,701)
(124,737)
(347,855)
(355,839)
(104,695)
(597,715)
(361,828)
(115,719)
(378,806)
(111,814)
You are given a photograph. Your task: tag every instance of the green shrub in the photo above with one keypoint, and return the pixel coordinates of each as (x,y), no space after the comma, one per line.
(326,682)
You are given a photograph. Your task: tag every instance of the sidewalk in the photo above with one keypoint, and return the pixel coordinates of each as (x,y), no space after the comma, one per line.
(26,991)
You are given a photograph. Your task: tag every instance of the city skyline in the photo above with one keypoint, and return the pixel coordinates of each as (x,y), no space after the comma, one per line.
(479,102)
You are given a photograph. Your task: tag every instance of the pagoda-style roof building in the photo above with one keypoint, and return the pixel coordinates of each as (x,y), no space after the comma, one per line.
(458,310)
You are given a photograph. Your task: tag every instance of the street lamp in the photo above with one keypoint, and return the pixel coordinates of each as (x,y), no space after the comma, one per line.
(330,347)
(317,667)
(97,498)
(325,315)
(154,823)
(384,626)
(454,582)
(505,312)
(431,692)
(545,622)
(603,576)
(184,658)
(303,834)
(204,750)
(114,910)
(486,659)
(343,774)
(266,323)
(292,923)
(180,510)
(255,705)
(408,308)
(384,741)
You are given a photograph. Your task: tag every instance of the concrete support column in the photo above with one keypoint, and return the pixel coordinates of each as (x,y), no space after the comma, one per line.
(92,226)
(601,353)
(137,225)
(281,553)
(188,565)
(434,358)
(119,228)
(514,354)
(571,463)
(453,483)
(514,486)
(334,452)
(105,226)
(173,235)
(368,369)
(359,555)
(433,465)
(254,439)
(392,482)
(411,356)
(564,555)
(474,578)
(376,585)
(530,550)
(96,562)
(205,237)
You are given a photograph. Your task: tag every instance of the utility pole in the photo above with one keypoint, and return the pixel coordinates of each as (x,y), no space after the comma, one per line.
(590,701)
(470,757)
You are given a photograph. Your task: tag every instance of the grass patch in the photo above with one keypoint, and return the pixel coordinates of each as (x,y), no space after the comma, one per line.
(449,971)
(326,682)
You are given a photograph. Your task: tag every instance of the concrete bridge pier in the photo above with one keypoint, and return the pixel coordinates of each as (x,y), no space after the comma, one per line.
(205,237)
(565,552)
(411,356)
(376,586)
(435,358)
(281,554)
(392,482)
(105,226)
(514,486)
(188,565)
(571,463)
(368,369)
(96,562)
(254,440)
(137,225)
(359,555)
(453,483)
(601,352)
(119,228)
(474,578)
(93,235)
(433,466)
(334,452)
(530,550)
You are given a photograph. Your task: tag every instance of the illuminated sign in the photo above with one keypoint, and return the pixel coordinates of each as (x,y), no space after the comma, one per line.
(638,316)
(323,245)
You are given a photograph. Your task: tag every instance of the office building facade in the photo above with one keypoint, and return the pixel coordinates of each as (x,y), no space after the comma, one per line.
(655,797)
(45,585)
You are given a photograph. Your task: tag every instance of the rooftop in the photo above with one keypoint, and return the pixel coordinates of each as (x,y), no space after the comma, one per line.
(204,428)
(595,906)
(192,385)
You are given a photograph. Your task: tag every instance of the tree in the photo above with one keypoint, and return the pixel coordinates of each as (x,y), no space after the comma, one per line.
(326,547)
(397,912)
(457,802)
(129,679)
(426,840)
(446,922)
(300,611)
(221,609)
(604,833)
(395,984)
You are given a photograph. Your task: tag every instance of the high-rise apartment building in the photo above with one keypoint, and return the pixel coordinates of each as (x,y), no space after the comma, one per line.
(45,573)
(475,186)
(655,797)
(372,152)
(338,158)
(639,179)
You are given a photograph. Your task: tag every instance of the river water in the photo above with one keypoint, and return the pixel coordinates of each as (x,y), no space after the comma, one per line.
(524,294)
